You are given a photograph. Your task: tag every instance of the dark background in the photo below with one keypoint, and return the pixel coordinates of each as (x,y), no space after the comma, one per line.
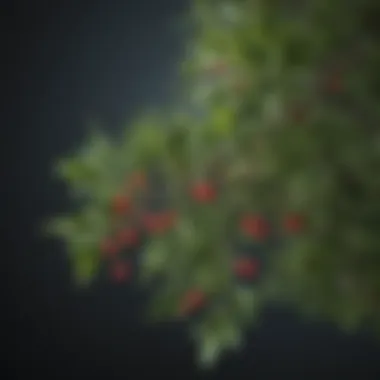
(63,62)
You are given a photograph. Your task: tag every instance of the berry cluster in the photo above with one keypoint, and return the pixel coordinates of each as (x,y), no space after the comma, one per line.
(133,224)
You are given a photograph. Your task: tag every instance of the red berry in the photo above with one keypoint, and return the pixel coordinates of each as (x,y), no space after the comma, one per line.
(121,204)
(138,181)
(203,192)
(219,68)
(109,248)
(298,114)
(120,271)
(334,84)
(159,222)
(150,222)
(246,267)
(168,218)
(241,86)
(255,226)
(128,236)
(192,301)
(294,223)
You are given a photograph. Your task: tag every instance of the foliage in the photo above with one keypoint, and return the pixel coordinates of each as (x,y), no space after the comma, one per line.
(273,193)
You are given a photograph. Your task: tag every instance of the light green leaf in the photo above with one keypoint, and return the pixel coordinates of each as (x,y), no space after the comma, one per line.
(232,13)
(209,350)
(227,327)
(75,169)
(187,234)
(350,318)
(154,259)
(273,109)
(84,257)
(97,151)
(223,121)
(247,302)
(62,227)
(214,336)
(205,278)
(147,141)
(164,304)
(233,336)
(85,266)
(202,92)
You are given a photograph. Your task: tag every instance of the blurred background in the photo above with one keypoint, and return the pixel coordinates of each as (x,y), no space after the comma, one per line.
(65,63)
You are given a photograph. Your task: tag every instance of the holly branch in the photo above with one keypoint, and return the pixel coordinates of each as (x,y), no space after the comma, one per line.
(272,194)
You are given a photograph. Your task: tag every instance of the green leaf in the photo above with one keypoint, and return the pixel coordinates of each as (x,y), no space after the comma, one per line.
(85,266)
(350,318)
(187,235)
(177,149)
(82,233)
(85,259)
(154,259)
(205,278)
(147,142)
(232,336)
(164,304)
(232,13)
(75,170)
(247,304)
(93,158)
(210,350)
(63,227)
(226,324)
(223,121)
(216,334)
(97,150)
